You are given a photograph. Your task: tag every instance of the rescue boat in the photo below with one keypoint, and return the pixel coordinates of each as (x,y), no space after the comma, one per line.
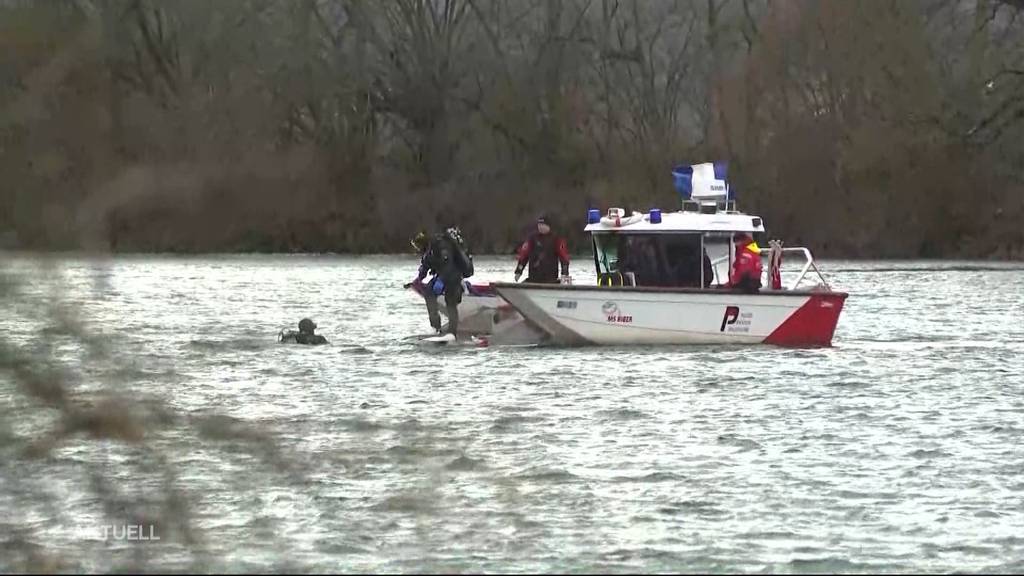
(662,279)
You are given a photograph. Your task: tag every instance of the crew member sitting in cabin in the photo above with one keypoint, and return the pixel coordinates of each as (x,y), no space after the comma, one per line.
(709,270)
(746,268)
(688,271)
(641,259)
(685,258)
(544,251)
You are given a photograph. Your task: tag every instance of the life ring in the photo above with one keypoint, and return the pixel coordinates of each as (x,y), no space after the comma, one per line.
(617,222)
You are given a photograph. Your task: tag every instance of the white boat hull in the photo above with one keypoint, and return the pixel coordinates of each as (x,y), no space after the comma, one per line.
(576,315)
(483,313)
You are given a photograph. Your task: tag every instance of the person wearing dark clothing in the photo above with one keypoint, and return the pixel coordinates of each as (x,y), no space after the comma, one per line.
(443,259)
(305,335)
(709,272)
(643,261)
(689,272)
(545,252)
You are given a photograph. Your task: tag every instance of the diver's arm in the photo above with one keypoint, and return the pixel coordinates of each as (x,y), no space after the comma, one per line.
(421,274)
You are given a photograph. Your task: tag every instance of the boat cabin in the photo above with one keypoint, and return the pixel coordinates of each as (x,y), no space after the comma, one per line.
(691,248)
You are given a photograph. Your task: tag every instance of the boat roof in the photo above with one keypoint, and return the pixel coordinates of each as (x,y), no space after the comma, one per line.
(682,222)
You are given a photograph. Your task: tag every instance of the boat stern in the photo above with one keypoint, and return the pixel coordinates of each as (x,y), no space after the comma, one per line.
(811,325)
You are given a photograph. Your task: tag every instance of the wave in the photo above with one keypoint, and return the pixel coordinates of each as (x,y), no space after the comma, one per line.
(465,464)
(622,414)
(653,477)
(544,474)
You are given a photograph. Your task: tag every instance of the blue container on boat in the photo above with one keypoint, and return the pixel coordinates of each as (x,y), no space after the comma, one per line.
(655,216)
(593,216)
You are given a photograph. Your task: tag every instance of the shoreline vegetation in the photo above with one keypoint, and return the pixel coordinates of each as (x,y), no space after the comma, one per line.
(345,126)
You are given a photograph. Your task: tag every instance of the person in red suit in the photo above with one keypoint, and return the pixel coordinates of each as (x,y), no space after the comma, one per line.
(545,252)
(746,268)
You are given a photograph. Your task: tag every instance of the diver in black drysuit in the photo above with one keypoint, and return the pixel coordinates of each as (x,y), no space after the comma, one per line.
(439,258)
(305,334)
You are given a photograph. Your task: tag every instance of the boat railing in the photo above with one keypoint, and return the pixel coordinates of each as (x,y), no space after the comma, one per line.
(766,280)
(807,267)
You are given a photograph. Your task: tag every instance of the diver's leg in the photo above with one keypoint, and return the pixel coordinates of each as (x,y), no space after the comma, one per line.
(435,318)
(452,298)
(453,316)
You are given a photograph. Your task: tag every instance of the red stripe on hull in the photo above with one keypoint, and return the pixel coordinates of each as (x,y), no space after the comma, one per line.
(813,324)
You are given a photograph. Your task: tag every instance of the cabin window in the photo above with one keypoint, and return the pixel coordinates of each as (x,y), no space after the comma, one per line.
(719,250)
(684,261)
(669,260)
(607,246)
(608,249)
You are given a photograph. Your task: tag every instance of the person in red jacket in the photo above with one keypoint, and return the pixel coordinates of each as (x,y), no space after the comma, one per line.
(746,268)
(544,251)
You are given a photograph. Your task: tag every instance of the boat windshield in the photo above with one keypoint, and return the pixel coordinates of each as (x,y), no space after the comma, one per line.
(671,260)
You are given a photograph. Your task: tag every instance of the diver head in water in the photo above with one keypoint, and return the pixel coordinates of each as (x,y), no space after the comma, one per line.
(306,326)
(305,335)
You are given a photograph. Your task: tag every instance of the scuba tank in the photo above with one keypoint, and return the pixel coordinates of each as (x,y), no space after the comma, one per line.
(448,249)
(462,258)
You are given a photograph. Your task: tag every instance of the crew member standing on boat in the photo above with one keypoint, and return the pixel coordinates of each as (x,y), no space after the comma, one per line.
(545,252)
(746,268)
(443,256)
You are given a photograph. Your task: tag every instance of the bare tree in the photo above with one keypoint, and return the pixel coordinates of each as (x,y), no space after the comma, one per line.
(554,105)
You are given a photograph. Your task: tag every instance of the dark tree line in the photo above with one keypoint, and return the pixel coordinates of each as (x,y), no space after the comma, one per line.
(877,128)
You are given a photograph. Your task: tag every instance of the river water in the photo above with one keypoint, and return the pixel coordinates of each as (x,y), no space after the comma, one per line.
(901,448)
